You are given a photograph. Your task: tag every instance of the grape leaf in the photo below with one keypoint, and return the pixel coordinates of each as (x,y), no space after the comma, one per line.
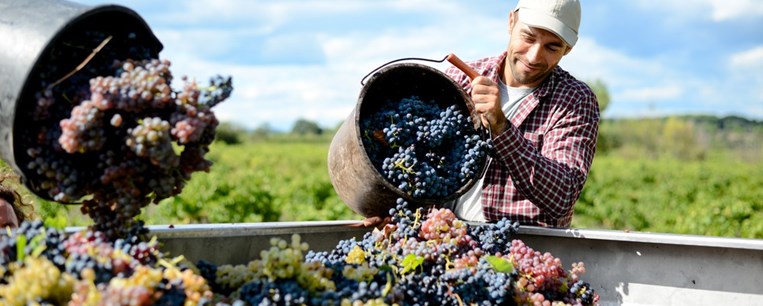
(20,245)
(411,262)
(57,222)
(38,244)
(500,264)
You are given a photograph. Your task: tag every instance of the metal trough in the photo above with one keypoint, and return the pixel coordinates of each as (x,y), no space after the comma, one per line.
(626,268)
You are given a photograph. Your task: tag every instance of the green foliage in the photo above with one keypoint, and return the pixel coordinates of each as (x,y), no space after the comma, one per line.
(20,246)
(229,133)
(679,140)
(683,138)
(712,197)
(411,262)
(57,222)
(500,264)
(605,141)
(262,132)
(265,181)
(601,92)
(306,127)
(219,198)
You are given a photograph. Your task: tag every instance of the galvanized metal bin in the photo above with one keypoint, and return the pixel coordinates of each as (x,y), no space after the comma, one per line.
(28,30)
(625,268)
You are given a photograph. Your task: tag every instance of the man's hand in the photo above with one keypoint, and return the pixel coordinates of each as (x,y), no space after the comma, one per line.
(376,221)
(487,103)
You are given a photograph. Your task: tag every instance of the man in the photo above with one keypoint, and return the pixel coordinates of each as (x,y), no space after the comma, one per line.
(7,215)
(11,213)
(543,121)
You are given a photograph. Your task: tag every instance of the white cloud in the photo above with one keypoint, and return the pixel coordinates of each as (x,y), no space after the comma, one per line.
(280,94)
(723,10)
(197,41)
(647,86)
(433,42)
(716,10)
(591,60)
(745,79)
(652,94)
(751,59)
(277,94)
(633,82)
(200,35)
(756,110)
(276,13)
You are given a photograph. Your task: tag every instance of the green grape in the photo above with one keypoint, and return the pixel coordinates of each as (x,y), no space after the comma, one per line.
(36,279)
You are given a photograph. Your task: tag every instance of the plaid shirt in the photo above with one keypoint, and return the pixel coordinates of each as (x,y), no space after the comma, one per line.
(543,158)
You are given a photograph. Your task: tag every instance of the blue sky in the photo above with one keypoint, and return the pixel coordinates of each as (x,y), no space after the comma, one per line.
(305,59)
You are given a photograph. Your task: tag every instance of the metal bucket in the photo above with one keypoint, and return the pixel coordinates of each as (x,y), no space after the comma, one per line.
(355,179)
(28,30)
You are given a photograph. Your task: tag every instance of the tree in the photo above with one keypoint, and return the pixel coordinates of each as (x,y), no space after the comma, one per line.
(263,131)
(229,133)
(606,141)
(679,139)
(306,127)
(601,92)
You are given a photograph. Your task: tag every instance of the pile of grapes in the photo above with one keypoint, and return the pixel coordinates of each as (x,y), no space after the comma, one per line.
(424,149)
(420,258)
(112,133)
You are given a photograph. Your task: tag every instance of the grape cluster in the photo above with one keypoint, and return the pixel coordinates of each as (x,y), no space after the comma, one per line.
(420,258)
(41,265)
(423,149)
(115,135)
(436,259)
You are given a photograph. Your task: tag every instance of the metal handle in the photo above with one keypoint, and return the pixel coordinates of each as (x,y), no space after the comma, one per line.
(362,81)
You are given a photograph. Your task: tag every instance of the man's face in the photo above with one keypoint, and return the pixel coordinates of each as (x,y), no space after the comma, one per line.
(7,215)
(533,53)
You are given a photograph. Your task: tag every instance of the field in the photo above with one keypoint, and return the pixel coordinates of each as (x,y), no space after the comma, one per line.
(287,180)
(713,197)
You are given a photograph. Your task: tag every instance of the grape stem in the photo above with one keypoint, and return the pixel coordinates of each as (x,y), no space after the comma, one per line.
(401,165)
(83,63)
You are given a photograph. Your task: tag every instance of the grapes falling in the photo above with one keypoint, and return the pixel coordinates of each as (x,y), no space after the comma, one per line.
(115,136)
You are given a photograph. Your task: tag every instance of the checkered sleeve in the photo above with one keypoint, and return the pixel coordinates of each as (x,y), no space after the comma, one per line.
(553,177)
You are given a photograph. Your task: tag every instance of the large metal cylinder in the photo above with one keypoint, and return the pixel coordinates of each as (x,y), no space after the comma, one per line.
(28,30)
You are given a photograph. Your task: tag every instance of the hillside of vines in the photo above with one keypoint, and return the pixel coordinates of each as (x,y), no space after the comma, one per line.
(671,175)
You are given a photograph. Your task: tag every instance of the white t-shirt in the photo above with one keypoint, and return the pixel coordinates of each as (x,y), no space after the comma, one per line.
(469,205)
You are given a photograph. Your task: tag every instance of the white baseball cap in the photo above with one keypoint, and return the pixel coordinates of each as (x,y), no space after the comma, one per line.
(561,17)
